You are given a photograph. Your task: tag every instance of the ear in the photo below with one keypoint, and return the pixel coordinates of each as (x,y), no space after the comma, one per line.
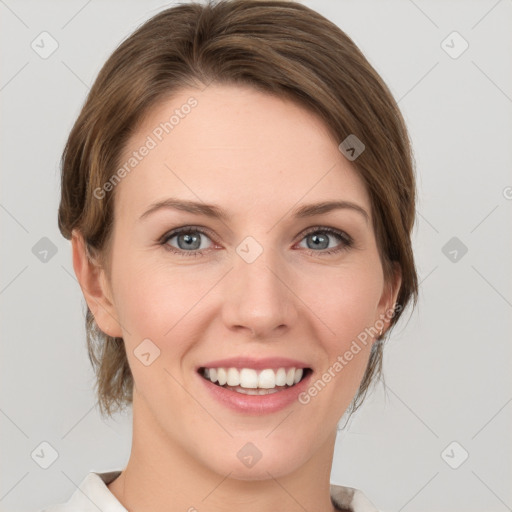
(389,296)
(95,287)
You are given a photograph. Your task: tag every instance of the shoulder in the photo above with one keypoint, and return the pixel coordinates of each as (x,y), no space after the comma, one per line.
(91,495)
(351,499)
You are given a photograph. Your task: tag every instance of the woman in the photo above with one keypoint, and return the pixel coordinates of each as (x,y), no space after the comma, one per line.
(239,193)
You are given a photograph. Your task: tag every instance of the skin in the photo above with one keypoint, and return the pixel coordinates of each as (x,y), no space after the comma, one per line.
(257,157)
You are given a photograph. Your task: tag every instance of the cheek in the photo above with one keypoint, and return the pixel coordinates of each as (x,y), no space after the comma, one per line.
(157,305)
(156,302)
(346,301)
(347,307)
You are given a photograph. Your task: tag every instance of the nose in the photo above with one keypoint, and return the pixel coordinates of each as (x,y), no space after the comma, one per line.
(258,297)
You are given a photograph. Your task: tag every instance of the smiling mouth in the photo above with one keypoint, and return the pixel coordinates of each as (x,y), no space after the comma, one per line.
(252,382)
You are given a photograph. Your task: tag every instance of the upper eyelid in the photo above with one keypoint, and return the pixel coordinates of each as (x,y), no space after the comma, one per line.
(185,229)
(206,231)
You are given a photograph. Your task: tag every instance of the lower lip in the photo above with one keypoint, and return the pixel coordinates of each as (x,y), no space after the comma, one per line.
(256,404)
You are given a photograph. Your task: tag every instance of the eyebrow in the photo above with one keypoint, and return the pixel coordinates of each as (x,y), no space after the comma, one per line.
(209,210)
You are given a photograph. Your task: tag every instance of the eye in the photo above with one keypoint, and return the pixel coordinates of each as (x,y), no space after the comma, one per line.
(318,240)
(188,241)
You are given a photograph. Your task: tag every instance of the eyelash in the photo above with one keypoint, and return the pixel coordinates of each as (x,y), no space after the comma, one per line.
(346,241)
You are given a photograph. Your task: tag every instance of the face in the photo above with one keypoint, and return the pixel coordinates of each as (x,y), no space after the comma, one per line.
(261,281)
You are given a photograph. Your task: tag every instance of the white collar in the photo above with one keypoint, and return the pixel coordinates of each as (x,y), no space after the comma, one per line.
(93,495)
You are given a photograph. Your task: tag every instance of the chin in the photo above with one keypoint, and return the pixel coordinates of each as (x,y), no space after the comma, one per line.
(252,463)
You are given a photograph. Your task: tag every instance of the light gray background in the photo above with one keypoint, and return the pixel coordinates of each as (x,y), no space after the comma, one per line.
(447,369)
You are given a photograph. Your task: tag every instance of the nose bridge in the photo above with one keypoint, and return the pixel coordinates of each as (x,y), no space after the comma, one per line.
(258,298)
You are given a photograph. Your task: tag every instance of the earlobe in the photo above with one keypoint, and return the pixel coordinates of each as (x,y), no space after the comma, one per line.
(94,284)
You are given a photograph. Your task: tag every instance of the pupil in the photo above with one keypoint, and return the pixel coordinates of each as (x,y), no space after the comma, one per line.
(320,240)
(190,240)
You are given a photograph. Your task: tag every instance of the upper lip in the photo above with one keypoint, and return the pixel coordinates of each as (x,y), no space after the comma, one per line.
(257,364)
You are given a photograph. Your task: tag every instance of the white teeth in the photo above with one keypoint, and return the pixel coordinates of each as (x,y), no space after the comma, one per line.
(267,379)
(233,377)
(281,377)
(221,376)
(250,378)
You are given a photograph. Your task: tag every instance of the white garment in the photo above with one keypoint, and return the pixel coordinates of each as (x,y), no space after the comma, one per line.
(93,495)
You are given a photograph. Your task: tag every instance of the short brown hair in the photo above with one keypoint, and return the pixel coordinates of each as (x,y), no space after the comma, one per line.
(276,46)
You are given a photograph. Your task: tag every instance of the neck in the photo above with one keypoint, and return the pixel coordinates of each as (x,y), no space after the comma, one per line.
(162,476)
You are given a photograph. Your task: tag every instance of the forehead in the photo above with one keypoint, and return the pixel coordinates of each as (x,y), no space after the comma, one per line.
(232,144)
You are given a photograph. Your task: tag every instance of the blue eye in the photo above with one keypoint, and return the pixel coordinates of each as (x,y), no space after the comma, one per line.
(189,243)
(319,238)
(187,238)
